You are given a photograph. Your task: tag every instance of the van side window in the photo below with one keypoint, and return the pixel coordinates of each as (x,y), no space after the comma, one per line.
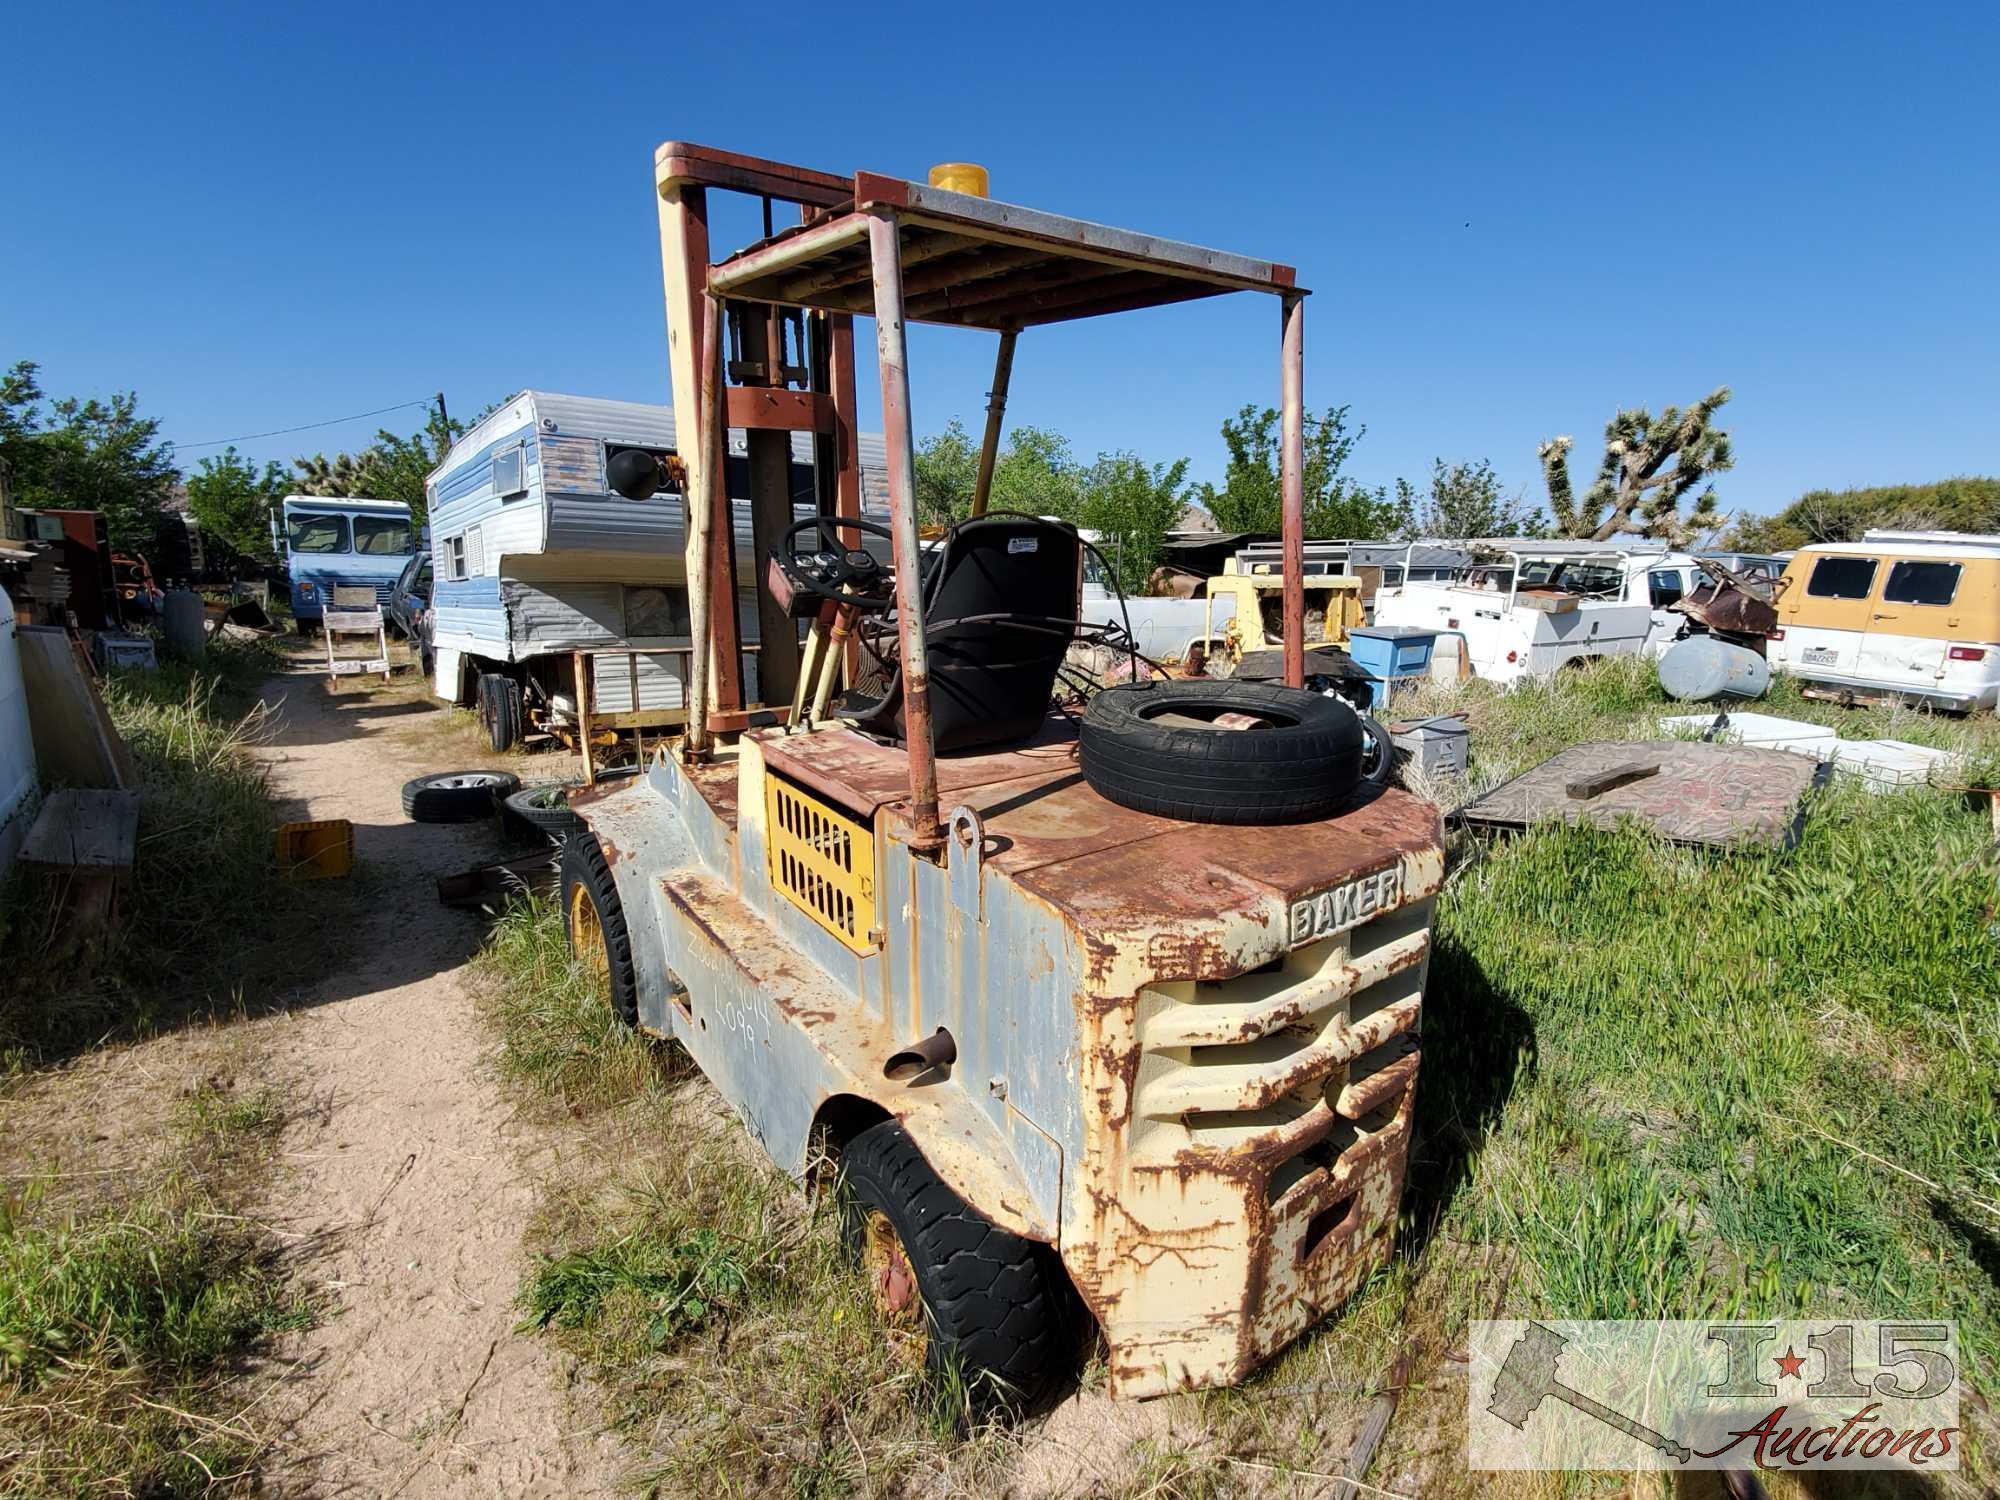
(1920,583)
(1666,588)
(1842,578)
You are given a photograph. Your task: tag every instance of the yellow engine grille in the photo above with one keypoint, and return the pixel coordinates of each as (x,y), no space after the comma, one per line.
(823,860)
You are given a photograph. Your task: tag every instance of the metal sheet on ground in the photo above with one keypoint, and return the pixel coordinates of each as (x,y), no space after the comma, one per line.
(1720,795)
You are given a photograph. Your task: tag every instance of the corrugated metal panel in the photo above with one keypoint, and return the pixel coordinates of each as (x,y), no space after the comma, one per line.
(659,682)
(574,614)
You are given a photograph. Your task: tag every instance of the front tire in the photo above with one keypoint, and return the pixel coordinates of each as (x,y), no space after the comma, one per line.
(974,1299)
(594,920)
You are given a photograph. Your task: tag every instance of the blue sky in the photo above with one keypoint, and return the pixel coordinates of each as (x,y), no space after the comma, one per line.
(1513,219)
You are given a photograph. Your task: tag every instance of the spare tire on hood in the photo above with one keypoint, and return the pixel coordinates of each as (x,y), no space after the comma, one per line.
(1157,747)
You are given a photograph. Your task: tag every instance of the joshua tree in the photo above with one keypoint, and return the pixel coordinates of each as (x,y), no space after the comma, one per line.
(1636,492)
(343,474)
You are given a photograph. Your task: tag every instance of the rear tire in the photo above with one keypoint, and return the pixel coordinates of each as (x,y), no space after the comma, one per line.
(993,1308)
(500,710)
(594,921)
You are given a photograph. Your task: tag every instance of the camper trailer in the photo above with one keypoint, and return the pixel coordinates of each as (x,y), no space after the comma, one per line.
(559,603)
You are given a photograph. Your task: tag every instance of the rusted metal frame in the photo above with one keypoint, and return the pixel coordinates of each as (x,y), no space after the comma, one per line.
(763,408)
(770,460)
(725,633)
(957,213)
(847,435)
(856,275)
(583,717)
(757,716)
(677,163)
(1291,480)
(738,272)
(972,261)
(892,356)
(706,479)
(996,411)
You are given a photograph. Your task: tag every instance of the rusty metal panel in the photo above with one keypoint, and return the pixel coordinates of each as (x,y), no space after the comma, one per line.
(1694,793)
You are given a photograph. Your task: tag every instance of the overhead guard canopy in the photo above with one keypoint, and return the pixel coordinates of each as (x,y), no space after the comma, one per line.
(967,261)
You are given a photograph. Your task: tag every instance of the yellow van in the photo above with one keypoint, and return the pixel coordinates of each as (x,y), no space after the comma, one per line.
(1899,616)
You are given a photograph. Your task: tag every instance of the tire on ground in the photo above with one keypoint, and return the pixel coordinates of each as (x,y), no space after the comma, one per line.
(1304,765)
(1000,1309)
(587,886)
(456,796)
(537,807)
(500,710)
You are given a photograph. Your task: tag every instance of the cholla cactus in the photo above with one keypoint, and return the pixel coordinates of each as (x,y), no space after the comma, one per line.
(1635,492)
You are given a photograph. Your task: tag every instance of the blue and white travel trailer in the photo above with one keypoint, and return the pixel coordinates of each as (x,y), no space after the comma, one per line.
(342,543)
(539,564)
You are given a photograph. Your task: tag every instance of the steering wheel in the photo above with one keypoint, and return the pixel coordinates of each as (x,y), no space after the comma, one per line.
(847,575)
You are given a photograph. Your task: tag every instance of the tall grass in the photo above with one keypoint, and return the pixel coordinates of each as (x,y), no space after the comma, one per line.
(124,1318)
(206,924)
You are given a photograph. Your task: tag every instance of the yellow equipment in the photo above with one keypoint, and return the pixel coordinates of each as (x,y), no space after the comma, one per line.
(1333,607)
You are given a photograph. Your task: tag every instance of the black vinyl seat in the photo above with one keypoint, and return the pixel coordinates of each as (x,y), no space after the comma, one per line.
(1000,610)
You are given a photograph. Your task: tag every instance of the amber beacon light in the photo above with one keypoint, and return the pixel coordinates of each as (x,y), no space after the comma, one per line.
(960,177)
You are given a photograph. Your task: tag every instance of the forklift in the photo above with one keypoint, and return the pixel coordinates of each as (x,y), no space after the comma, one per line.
(1084,1037)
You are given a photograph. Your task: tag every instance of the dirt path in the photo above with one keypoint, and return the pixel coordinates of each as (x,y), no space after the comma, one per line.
(410,1171)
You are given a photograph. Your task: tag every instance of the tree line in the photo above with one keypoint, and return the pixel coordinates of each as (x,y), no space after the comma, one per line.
(1654,479)
(89,454)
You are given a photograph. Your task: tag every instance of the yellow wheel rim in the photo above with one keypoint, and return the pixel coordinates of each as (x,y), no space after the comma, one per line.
(586,935)
(892,1284)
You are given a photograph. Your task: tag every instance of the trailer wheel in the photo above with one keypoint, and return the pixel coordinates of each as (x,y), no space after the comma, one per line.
(967,1296)
(500,710)
(594,920)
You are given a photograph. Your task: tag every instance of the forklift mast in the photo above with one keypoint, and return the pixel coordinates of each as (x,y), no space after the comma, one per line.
(763,340)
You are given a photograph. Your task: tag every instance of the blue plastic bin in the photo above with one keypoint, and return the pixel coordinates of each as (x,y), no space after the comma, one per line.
(1391,654)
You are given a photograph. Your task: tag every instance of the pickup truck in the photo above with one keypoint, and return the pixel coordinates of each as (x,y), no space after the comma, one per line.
(1525,609)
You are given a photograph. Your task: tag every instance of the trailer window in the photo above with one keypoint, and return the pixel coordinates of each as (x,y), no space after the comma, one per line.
(652,613)
(1920,583)
(454,557)
(318,533)
(510,472)
(1842,578)
(381,536)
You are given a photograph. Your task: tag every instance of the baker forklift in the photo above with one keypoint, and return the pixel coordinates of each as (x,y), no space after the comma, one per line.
(1081,1033)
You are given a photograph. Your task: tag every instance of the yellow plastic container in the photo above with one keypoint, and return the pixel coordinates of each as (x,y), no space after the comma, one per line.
(316,851)
(960,177)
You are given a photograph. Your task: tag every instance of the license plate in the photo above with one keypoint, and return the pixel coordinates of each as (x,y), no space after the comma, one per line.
(1819,656)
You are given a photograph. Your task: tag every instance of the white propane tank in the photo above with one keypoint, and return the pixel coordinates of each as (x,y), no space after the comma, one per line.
(1702,668)
(182,623)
